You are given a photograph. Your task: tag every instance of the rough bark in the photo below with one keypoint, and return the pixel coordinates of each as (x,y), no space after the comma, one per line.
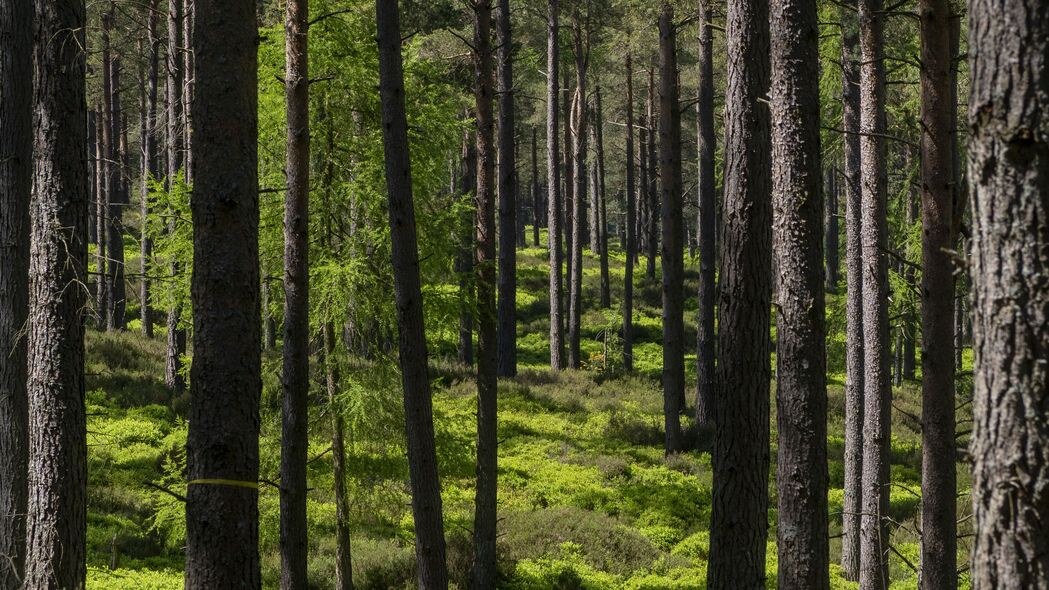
(801,386)
(854,345)
(579,140)
(295,378)
(56,526)
(150,165)
(16,177)
(117,196)
(631,223)
(507,306)
(874,541)
(105,162)
(483,571)
(176,335)
(553,187)
(706,224)
(431,568)
(673,247)
(222,448)
(939,508)
(739,524)
(1009,176)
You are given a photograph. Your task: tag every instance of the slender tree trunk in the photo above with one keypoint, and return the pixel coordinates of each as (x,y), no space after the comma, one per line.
(105,162)
(707,223)
(343,563)
(295,378)
(831,236)
(854,344)
(507,308)
(651,191)
(673,249)
(569,184)
(606,292)
(801,386)
(578,132)
(874,540)
(910,320)
(176,335)
(188,79)
(739,525)
(483,572)
(117,196)
(222,448)
(631,223)
(537,198)
(431,568)
(554,203)
(465,260)
(642,192)
(1009,160)
(150,168)
(16,182)
(56,526)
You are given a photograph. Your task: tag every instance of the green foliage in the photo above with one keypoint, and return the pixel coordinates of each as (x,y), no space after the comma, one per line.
(170,227)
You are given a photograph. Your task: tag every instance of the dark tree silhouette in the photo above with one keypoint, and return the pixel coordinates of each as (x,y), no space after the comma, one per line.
(507,305)
(707,222)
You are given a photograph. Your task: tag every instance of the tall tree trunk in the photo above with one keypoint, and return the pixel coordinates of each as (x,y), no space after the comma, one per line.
(831,235)
(188,79)
(105,161)
(150,167)
(874,540)
(854,345)
(631,223)
(706,224)
(537,198)
(56,526)
(295,378)
(118,198)
(16,182)
(651,191)
(176,335)
(575,249)
(553,187)
(642,191)
(910,318)
(464,264)
(673,249)
(222,448)
(801,386)
(483,572)
(939,472)
(343,563)
(739,522)
(569,184)
(507,308)
(1009,172)
(599,163)
(431,568)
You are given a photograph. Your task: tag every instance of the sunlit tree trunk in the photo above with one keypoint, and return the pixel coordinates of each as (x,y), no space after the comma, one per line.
(553,187)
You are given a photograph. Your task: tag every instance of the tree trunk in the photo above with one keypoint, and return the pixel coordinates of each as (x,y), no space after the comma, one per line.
(642,193)
(831,225)
(537,198)
(602,234)
(464,264)
(343,564)
(569,183)
(874,539)
(1009,160)
(554,203)
(631,223)
(483,572)
(56,526)
(431,568)
(801,386)
(854,345)
(295,378)
(222,448)
(188,79)
(507,308)
(176,337)
(16,168)
(651,191)
(706,223)
(739,525)
(118,198)
(673,248)
(105,162)
(578,129)
(150,168)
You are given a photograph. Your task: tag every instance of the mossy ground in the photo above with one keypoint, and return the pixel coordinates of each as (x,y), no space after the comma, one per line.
(586,498)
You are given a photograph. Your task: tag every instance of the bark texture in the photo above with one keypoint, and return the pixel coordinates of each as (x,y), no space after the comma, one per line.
(706,227)
(431,568)
(150,165)
(56,526)
(673,247)
(578,219)
(1009,176)
(176,338)
(553,186)
(739,522)
(16,178)
(222,449)
(295,378)
(801,386)
(507,305)
(631,223)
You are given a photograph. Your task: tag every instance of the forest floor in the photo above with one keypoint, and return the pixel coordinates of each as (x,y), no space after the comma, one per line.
(586,498)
